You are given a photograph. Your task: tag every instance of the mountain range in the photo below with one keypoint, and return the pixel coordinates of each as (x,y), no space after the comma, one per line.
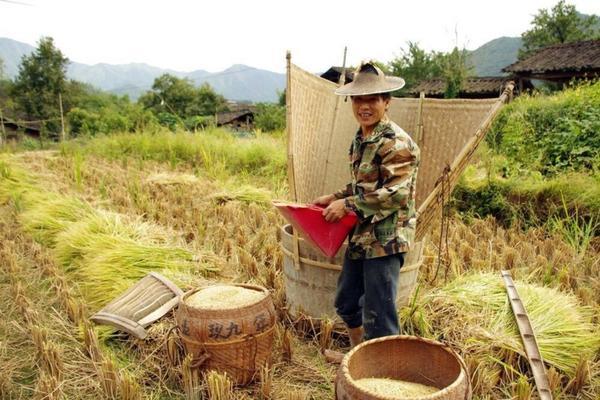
(238,82)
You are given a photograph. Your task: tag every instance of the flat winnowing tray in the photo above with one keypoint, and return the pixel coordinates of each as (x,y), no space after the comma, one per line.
(140,305)
(308,221)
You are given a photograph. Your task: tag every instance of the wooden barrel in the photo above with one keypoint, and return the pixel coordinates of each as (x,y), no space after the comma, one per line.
(406,358)
(237,340)
(310,283)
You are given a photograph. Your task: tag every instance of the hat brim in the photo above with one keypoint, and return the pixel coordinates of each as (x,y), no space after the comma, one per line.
(390,84)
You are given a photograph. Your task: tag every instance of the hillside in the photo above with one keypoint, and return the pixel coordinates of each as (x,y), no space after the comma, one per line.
(489,59)
(238,82)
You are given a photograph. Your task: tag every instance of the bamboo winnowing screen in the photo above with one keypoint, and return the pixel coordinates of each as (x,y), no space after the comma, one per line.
(321,127)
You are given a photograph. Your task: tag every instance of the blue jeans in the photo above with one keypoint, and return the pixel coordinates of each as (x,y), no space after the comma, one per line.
(366,294)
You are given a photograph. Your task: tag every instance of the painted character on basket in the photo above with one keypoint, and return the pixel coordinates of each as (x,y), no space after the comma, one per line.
(383,164)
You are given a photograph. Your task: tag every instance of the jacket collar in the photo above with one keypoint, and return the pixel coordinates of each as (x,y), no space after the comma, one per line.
(383,127)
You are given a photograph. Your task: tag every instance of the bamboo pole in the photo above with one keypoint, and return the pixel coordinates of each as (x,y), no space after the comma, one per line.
(528,337)
(62,118)
(290,151)
(2,130)
(420,139)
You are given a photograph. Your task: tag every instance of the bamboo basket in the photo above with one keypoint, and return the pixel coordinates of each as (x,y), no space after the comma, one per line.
(310,284)
(237,341)
(406,358)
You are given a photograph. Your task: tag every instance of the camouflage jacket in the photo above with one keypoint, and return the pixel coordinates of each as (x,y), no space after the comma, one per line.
(382,192)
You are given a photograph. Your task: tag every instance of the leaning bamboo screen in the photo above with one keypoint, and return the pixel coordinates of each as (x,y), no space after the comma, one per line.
(321,127)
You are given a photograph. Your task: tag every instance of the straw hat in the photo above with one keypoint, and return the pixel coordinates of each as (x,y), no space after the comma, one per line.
(368,79)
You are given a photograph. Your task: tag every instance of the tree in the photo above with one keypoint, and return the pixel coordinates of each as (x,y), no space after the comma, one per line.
(208,102)
(41,78)
(181,99)
(454,70)
(415,65)
(269,117)
(562,24)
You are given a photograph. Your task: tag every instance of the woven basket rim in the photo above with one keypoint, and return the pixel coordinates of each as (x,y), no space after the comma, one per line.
(257,288)
(346,373)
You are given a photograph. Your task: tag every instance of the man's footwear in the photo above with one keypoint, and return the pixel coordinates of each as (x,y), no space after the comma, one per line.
(333,357)
(356,336)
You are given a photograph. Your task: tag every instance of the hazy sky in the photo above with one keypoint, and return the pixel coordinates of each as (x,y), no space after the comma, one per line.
(212,35)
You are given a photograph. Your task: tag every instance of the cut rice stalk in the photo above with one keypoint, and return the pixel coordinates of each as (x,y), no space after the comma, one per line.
(243,193)
(474,310)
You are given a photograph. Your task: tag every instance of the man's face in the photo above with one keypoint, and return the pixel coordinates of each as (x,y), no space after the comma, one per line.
(369,109)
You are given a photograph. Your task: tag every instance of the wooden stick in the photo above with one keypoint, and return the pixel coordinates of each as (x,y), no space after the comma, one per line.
(528,337)
(291,176)
(62,118)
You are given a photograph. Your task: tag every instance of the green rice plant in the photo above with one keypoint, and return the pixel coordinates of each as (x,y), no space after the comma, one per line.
(78,168)
(474,311)
(216,151)
(575,229)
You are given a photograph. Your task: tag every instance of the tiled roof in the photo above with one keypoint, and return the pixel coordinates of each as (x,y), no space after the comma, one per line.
(488,84)
(565,57)
(229,116)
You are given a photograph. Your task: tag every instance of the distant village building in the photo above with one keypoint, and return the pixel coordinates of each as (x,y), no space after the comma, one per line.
(559,63)
(333,74)
(13,129)
(472,88)
(242,119)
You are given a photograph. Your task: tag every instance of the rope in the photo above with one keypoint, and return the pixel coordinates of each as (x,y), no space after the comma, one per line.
(443,197)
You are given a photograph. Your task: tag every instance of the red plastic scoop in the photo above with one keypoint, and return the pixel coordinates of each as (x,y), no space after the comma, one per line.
(308,220)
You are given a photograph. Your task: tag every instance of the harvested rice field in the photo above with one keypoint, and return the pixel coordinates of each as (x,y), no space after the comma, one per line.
(81,224)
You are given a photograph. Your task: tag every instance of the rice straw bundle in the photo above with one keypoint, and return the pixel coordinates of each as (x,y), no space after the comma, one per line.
(15,183)
(243,193)
(104,230)
(395,388)
(474,311)
(166,178)
(223,297)
(105,274)
(51,214)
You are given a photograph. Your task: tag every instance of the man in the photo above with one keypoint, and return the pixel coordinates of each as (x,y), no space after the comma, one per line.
(383,162)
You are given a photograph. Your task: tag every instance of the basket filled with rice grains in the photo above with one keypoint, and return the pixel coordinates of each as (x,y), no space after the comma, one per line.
(228,328)
(402,368)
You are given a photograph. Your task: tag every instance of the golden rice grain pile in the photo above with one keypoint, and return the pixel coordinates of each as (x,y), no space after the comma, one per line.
(221,297)
(395,388)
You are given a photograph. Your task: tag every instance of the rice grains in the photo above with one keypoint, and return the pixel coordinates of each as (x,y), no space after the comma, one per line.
(395,387)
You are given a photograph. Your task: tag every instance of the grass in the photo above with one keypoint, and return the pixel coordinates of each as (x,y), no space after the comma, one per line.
(524,197)
(216,152)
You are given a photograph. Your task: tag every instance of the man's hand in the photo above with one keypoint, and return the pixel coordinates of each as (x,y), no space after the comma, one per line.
(335,211)
(324,200)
